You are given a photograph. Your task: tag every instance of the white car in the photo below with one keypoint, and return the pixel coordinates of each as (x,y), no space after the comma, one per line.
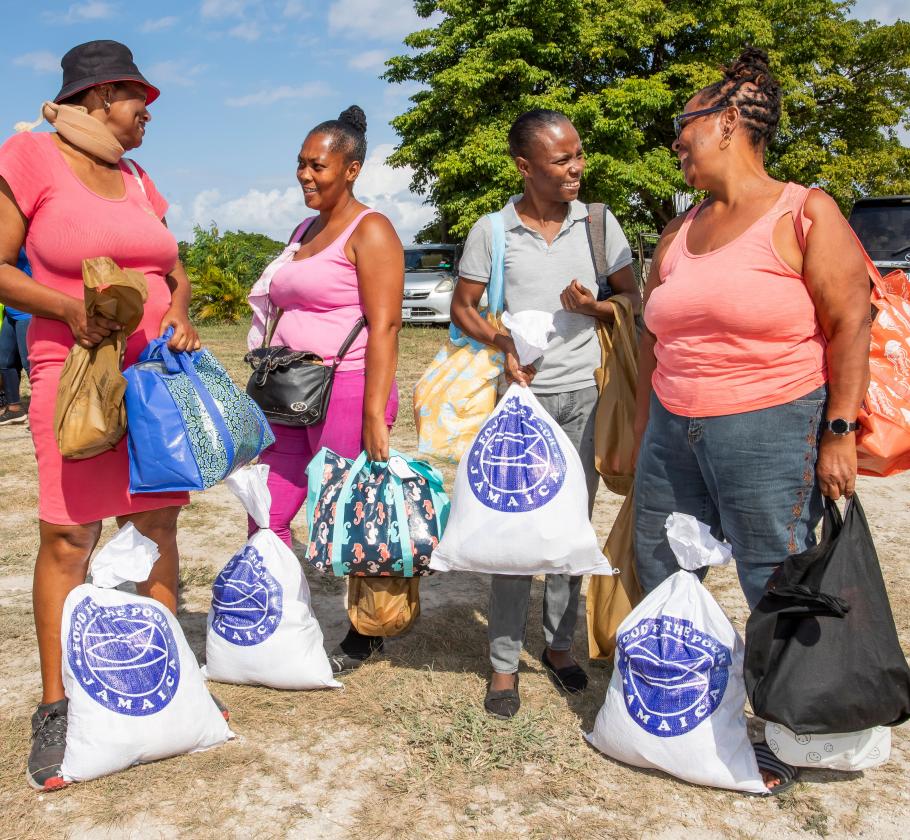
(430,272)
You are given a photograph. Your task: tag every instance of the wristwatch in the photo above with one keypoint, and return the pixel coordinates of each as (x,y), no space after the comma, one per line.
(840,427)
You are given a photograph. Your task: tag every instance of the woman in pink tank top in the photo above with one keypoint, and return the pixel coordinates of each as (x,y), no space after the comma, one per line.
(340,265)
(755,359)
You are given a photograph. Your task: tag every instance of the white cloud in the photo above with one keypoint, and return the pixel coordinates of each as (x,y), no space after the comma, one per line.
(296,10)
(376,20)
(369,60)
(276,212)
(223,8)
(41,61)
(82,12)
(174,71)
(268,96)
(158,24)
(246,31)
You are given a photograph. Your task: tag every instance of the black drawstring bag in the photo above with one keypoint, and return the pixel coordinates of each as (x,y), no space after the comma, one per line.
(822,653)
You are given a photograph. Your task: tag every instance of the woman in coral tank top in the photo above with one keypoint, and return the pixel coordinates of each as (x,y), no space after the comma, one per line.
(755,358)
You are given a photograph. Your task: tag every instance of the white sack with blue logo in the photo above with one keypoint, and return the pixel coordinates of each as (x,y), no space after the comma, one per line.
(135,690)
(520,503)
(677,695)
(261,627)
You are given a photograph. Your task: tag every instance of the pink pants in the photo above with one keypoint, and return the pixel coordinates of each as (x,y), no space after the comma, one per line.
(294,448)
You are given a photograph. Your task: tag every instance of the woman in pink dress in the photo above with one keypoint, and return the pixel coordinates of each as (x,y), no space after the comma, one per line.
(67,196)
(347,263)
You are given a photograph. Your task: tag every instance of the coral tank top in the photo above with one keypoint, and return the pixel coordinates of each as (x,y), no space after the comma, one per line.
(736,327)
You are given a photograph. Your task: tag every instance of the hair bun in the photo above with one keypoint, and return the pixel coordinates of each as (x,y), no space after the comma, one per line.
(355,118)
(752,64)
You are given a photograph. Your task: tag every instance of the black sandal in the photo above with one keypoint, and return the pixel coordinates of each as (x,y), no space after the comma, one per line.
(572,679)
(504,703)
(787,774)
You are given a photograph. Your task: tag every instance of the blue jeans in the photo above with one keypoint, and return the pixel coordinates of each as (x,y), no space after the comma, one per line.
(750,477)
(509,594)
(13,355)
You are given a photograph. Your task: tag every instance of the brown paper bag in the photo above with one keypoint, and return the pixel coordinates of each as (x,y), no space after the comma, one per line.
(614,422)
(612,597)
(90,416)
(383,606)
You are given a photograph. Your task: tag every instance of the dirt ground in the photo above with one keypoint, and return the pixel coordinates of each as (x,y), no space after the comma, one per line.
(405,749)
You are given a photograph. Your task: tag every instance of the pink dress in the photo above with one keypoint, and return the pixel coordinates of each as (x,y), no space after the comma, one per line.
(67,223)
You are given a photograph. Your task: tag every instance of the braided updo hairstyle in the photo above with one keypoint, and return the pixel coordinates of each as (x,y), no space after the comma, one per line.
(749,85)
(348,133)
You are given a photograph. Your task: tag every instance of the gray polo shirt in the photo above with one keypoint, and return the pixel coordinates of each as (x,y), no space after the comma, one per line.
(535,274)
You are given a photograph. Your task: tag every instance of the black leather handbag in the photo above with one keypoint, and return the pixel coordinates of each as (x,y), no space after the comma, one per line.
(292,387)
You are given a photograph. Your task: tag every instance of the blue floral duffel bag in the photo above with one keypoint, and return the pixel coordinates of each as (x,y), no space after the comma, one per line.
(188,425)
(381,518)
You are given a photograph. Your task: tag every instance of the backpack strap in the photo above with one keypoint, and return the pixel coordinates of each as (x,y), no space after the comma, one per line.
(301,229)
(596,229)
(135,172)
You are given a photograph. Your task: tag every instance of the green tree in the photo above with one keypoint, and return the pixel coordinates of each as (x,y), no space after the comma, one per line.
(218,296)
(243,255)
(621,70)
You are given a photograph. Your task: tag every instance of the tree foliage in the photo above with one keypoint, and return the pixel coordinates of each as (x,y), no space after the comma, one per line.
(222,269)
(621,70)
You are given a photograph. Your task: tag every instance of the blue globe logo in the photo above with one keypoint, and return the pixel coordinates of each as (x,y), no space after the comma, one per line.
(246,600)
(674,675)
(516,463)
(125,657)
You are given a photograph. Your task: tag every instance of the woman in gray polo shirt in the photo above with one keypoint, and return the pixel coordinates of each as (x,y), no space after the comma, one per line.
(548,267)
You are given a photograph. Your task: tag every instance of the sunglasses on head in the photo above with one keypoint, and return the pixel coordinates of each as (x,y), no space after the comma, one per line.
(680,119)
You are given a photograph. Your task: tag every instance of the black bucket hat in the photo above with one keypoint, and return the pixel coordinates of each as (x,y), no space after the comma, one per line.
(98,63)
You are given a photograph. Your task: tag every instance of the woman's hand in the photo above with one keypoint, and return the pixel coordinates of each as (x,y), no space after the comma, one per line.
(578,299)
(185,336)
(836,465)
(88,331)
(513,369)
(376,438)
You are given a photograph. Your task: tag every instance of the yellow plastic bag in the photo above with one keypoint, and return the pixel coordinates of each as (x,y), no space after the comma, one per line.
(617,378)
(612,597)
(454,397)
(383,606)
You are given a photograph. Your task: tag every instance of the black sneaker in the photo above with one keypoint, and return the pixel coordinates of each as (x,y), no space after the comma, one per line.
(48,744)
(353,650)
(13,415)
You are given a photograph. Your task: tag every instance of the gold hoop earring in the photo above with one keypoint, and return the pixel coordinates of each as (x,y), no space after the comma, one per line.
(725,141)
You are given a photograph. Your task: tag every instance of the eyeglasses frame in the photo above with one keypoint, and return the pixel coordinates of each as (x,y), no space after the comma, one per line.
(679,119)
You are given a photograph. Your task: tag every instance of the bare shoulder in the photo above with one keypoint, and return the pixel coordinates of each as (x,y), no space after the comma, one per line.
(374,230)
(668,234)
(820,207)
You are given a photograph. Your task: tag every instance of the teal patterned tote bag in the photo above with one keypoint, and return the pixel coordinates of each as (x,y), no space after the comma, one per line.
(188,425)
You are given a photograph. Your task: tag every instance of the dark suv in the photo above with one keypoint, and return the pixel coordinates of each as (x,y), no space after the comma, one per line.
(883,226)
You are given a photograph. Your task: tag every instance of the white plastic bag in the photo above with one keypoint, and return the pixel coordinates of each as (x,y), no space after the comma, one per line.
(135,690)
(677,695)
(848,751)
(261,628)
(520,503)
(531,331)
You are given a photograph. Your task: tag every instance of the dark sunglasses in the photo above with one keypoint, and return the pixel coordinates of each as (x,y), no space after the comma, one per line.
(680,119)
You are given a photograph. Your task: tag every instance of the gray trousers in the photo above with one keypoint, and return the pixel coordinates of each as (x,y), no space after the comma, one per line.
(510,594)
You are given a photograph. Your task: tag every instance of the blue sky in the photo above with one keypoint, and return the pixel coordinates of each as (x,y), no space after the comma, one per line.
(242,81)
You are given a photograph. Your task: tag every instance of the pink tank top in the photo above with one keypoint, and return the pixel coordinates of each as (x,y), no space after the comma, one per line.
(736,327)
(321,302)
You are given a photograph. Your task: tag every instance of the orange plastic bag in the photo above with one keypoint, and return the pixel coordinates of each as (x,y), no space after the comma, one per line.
(883,442)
